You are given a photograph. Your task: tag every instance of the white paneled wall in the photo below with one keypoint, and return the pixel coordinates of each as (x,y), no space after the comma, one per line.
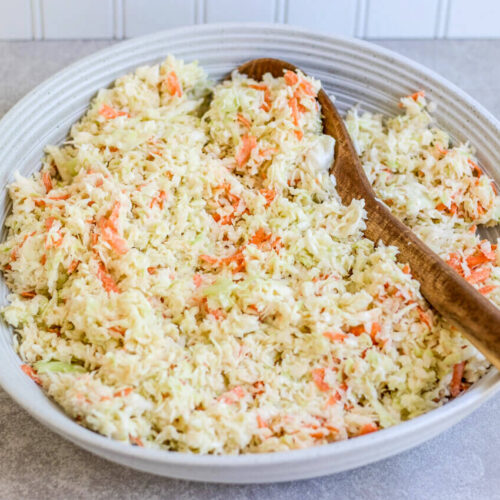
(65,19)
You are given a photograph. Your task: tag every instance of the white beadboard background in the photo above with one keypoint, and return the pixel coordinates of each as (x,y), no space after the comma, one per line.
(77,19)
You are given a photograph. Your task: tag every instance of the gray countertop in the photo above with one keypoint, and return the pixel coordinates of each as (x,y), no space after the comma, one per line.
(462,463)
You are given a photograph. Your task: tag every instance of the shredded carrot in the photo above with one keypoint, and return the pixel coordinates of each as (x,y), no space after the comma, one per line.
(47,182)
(261,423)
(299,134)
(456,379)
(485,290)
(368,428)
(209,259)
(72,267)
(376,328)
(416,95)
(197,280)
(111,237)
(28,295)
(268,151)
(292,103)
(60,197)
(31,373)
(159,200)
(248,143)
(269,195)
(277,244)
(115,213)
(479,275)
(135,440)
(246,123)
(334,336)
(109,113)
(43,259)
(441,150)
(406,269)
(307,88)
(357,330)
(452,209)
(228,397)
(173,85)
(217,313)
(475,167)
(267,96)
(291,78)
(455,262)
(49,222)
(424,317)
(318,375)
(238,259)
(478,259)
(473,229)
(118,330)
(334,398)
(260,237)
(152,270)
(123,392)
(107,280)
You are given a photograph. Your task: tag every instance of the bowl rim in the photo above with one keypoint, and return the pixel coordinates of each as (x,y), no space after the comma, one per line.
(55,418)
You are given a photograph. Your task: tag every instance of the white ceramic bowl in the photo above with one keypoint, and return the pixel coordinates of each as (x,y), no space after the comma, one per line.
(355,72)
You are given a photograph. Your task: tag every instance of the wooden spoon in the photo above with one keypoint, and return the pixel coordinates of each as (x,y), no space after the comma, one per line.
(459,302)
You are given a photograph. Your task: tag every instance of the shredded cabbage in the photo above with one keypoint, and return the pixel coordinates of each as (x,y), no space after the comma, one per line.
(184,275)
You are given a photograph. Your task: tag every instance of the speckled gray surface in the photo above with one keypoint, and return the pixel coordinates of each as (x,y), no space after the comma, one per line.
(463,463)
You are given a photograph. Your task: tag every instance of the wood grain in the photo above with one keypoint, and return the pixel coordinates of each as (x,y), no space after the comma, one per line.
(455,299)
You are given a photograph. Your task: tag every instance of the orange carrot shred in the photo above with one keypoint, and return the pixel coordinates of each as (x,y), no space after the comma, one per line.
(28,295)
(292,103)
(307,88)
(376,328)
(456,379)
(475,167)
(109,113)
(269,195)
(291,78)
(111,237)
(246,123)
(209,259)
(248,143)
(31,373)
(368,428)
(135,440)
(485,290)
(424,317)
(357,330)
(197,280)
(47,182)
(123,392)
(335,337)
(259,237)
(318,375)
(107,280)
(72,267)
(479,275)
(261,423)
(173,85)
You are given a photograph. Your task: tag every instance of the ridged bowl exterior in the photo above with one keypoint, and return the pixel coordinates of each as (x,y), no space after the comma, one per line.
(355,72)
